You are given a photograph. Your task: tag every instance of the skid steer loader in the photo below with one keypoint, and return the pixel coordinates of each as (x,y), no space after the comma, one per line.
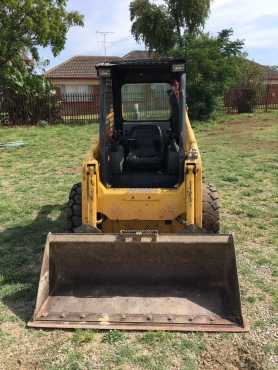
(144,250)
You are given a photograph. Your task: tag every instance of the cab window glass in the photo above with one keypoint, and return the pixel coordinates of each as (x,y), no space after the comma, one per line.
(146,101)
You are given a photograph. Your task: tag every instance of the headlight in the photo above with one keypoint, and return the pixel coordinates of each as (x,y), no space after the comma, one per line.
(178,68)
(104,72)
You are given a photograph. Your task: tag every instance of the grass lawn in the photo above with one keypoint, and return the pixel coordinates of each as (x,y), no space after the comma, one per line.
(240,157)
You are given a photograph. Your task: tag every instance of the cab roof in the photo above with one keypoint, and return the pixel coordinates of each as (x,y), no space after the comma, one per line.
(164,64)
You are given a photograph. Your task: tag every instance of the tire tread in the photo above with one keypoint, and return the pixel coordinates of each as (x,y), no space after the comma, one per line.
(74,208)
(211,209)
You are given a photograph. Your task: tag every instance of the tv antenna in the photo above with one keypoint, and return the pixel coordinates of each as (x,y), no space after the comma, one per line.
(104,41)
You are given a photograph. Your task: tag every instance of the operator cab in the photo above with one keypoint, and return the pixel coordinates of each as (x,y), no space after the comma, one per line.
(142,135)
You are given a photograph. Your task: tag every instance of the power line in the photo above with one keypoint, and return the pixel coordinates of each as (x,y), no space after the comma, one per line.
(104,41)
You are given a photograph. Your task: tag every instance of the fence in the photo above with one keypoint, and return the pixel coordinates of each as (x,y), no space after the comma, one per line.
(72,108)
(249,100)
(84,108)
(17,110)
(139,103)
(79,108)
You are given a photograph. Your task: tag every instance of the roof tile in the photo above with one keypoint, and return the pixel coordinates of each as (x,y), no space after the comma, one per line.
(138,54)
(78,67)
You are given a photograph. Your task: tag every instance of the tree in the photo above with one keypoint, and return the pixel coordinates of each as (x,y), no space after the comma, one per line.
(161,27)
(153,25)
(26,25)
(213,64)
(250,75)
(249,81)
(29,99)
(189,15)
(175,28)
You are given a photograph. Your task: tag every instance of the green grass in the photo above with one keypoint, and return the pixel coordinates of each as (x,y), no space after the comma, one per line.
(240,158)
(113,336)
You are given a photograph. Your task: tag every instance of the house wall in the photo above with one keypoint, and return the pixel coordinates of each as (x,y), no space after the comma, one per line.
(273,82)
(272,94)
(59,82)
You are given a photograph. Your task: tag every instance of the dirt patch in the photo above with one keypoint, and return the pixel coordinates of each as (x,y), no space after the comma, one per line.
(69,171)
(260,123)
(232,123)
(232,357)
(11,329)
(256,144)
(263,145)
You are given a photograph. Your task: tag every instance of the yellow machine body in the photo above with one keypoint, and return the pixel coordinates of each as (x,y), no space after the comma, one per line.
(165,210)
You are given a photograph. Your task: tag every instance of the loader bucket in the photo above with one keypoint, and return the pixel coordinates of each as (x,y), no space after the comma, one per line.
(139,281)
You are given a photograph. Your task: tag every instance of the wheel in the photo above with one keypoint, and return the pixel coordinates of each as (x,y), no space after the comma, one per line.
(74,209)
(211,209)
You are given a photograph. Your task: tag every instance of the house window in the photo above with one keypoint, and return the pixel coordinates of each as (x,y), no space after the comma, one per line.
(78,89)
(76,92)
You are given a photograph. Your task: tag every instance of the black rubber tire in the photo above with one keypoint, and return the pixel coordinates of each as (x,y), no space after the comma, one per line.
(211,209)
(74,208)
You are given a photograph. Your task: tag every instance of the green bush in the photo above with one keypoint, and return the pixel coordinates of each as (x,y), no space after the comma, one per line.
(28,99)
(245,100)
(213,64)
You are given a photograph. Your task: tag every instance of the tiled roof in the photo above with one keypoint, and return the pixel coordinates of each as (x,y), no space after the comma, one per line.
(138,54)
(84,66)
(78,67)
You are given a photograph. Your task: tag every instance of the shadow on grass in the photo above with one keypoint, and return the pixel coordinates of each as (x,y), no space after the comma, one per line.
(21,250)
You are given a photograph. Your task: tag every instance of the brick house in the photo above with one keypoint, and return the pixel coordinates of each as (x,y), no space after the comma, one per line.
(78,74)
(76,81)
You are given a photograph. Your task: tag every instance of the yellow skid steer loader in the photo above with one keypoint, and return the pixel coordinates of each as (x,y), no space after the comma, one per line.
(143,250)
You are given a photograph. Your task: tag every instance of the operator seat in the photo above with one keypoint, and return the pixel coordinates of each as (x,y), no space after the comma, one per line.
(146,148)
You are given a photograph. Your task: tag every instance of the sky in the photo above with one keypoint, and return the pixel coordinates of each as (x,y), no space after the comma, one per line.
(254,21)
